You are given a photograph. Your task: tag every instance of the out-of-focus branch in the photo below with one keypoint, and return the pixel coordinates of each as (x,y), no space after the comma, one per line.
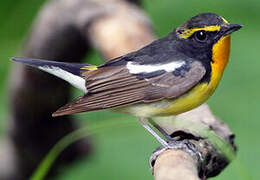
(62,31)
(126,29)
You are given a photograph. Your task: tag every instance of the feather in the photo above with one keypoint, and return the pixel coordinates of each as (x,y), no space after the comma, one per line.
(70,72)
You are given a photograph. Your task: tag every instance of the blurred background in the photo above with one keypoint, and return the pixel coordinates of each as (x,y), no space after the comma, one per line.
(124,153)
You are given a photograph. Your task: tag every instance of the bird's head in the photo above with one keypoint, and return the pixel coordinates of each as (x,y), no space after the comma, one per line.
(198,37)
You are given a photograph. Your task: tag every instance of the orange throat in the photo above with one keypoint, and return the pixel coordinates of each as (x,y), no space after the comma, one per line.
(220,56)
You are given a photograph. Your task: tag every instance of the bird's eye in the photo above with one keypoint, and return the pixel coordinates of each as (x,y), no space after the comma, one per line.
(201,36)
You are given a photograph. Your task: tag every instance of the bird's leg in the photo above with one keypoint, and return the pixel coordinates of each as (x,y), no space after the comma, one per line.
(145,124)
(161,130)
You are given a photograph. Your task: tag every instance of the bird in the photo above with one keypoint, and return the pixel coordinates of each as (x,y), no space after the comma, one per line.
(169,76)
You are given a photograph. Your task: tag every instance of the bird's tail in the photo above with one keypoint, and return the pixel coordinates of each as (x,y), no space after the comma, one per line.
(70,72)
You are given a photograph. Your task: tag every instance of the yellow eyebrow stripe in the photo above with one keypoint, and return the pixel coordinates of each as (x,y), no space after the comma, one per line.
(89,68)
(187,33)
(225,20)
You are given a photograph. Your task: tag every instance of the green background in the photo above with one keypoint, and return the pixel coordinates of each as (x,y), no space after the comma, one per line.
(124,153)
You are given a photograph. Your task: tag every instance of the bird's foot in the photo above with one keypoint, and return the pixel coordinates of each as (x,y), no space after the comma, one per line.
(184,145)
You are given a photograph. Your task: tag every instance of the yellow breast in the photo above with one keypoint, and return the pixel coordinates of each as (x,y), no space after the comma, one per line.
(195,97)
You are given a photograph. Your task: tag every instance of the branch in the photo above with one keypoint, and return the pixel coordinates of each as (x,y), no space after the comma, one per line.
(175,164)
(201,146)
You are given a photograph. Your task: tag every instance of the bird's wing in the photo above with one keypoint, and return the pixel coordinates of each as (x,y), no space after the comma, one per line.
(115,86)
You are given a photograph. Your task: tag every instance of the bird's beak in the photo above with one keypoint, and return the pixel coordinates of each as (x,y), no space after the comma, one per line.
(230,28)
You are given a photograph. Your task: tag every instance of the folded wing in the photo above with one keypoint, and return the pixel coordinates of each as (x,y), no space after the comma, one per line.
(112,87)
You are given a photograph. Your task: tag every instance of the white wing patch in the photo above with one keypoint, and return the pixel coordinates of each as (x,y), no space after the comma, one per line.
(135,68)
(74,80)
